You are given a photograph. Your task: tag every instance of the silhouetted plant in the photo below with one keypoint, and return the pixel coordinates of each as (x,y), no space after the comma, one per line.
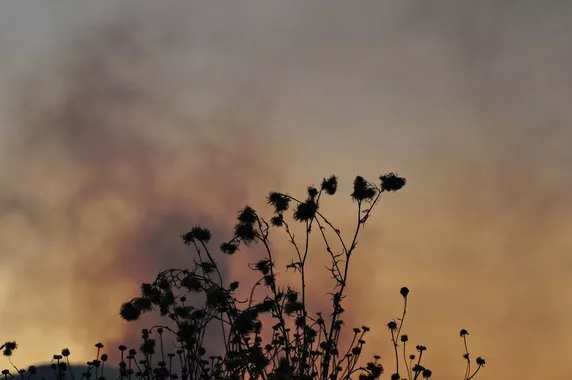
(271,334)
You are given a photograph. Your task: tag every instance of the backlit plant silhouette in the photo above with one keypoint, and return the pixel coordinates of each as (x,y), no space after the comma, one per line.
(268,331)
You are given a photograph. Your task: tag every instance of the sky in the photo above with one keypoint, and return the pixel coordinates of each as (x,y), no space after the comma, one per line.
(124,123)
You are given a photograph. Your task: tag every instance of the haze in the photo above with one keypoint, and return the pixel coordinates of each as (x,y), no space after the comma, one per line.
(121,125)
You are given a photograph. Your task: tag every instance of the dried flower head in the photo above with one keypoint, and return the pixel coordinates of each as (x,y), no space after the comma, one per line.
(129,311)
(363,190)
(245,231)
(191,282)
(233,286)
(9,348)
(277,220)
(148,347)
(279,201)
(330,185)
(229,248)
(201,234)
(312,192)
(263,266)
(391,182)
(306,211)
(247,215)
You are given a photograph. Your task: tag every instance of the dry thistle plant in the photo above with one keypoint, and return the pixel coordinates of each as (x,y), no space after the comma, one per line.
(271,334)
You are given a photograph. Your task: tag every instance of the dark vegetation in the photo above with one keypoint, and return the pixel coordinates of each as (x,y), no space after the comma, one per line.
(267,330)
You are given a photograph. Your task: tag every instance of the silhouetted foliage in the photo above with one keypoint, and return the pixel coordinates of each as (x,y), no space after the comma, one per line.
(272,334)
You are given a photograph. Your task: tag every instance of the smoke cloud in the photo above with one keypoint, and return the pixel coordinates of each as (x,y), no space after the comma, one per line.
(105,164)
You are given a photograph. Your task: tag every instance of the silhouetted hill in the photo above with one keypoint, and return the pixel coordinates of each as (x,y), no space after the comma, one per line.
(44,371)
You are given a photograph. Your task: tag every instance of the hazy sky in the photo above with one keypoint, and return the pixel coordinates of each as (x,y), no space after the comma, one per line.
(124,123)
